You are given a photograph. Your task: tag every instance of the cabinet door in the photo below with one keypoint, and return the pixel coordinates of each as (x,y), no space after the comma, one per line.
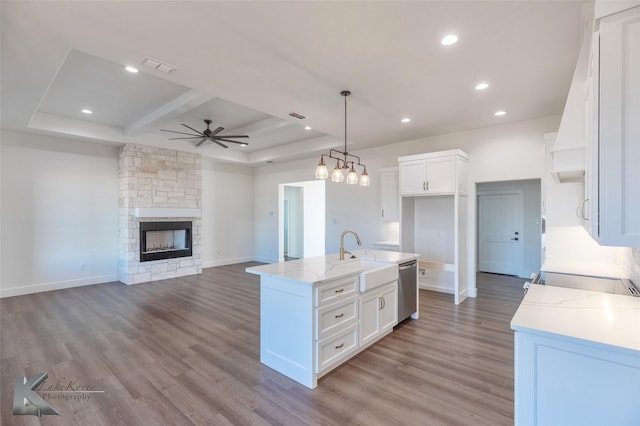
(388,316)
(441,175)
(412,177)
(389,195)
(619,129)
(369,311)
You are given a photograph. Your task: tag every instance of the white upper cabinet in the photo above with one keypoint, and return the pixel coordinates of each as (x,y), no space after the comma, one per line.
(389,199)
(614,179)
(430,174)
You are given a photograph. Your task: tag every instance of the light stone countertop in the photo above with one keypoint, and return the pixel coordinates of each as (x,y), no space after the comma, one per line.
(609,319)
(322,268)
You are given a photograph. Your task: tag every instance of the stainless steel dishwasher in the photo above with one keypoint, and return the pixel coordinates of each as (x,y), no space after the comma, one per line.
(407,291)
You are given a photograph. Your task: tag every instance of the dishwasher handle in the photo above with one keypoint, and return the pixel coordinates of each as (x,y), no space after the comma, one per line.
(408,265)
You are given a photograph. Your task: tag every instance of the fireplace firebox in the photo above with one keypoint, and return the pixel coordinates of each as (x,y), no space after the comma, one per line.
(165,240)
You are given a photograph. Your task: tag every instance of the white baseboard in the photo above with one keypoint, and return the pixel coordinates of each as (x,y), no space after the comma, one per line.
(222,262)
(434,287)
(264,260)
(473,292)
(58,285)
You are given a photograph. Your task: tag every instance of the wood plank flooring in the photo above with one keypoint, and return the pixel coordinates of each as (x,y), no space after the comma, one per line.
(186,351)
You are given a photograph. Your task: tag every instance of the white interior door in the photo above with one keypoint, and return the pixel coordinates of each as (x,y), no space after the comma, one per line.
(500,232)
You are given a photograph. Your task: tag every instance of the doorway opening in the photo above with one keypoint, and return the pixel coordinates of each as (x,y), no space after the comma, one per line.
(301,228)
(509,227)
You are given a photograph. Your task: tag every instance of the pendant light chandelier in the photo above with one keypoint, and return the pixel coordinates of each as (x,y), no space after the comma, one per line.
(344,160)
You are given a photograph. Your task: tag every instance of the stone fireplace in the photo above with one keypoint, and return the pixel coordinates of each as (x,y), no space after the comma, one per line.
(160,199)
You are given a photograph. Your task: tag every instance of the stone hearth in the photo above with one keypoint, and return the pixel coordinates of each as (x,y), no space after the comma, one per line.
(157,185)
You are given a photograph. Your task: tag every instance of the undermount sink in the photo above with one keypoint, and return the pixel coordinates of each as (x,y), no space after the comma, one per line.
(378,276)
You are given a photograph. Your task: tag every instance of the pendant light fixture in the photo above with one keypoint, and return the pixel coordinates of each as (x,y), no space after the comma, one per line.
(344,161)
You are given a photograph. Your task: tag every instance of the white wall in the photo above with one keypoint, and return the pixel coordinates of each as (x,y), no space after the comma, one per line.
(227,213)
(505,152)
(59,213)
(294,196)
(70,187)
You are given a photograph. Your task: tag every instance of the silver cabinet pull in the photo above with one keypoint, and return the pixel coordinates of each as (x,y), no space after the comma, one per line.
(581,210)
(340,316)
(340,345)
(340,290)
(382,212)
(424,186)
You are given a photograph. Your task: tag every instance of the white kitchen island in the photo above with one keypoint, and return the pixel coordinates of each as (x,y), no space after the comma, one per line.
(316,313)
(577,358)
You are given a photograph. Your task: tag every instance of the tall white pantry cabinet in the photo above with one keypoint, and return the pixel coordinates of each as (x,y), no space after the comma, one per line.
(433,218)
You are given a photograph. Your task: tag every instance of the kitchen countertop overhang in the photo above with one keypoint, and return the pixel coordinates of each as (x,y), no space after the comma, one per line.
(322,268)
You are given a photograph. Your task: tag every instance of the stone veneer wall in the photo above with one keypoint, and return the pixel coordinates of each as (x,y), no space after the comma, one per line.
(156,178)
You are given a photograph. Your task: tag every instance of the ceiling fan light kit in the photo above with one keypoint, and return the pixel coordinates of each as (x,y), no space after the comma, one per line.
(208,135)
(344,160)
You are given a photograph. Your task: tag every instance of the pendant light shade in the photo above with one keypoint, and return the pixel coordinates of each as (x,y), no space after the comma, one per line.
(364,179)
(337,175)
(352,177)
(344,160)
(321,171)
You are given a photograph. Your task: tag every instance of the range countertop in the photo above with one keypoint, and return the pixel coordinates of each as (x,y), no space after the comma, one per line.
(321,268)
(609,319)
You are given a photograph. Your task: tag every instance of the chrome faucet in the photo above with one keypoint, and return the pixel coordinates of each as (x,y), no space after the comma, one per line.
(342,250)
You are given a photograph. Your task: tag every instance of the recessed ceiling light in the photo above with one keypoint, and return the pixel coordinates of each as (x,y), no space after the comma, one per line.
(449,40)
(87,111)
(499,113)
(406,120)
(307,128)
(482,86)
(243,144)
(131,69)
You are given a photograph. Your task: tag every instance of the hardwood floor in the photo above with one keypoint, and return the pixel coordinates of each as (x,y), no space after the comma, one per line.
(186,351)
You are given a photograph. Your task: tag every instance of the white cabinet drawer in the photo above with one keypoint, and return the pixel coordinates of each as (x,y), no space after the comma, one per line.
(336,349)
(333,291)
(335,318)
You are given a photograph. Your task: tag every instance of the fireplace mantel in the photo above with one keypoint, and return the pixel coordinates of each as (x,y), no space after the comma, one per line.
(166,212)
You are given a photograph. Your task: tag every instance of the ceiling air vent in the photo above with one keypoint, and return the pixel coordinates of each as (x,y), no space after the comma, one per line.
(157,65)
(296,115)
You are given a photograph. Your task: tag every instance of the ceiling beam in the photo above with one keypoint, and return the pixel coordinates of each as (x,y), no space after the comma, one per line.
(183,103)
(300,149)
(263,126)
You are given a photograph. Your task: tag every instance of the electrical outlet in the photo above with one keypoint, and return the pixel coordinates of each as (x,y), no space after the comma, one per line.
(423,272)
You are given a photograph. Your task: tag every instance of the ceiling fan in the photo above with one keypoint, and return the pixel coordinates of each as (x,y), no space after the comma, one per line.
(208,134)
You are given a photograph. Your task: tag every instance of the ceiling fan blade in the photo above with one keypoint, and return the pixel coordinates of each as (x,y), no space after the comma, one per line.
(192,137)
(233,136)
(201,142)
(216,131)
(197,131)
(219,143)
(173,131)
(229,140)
